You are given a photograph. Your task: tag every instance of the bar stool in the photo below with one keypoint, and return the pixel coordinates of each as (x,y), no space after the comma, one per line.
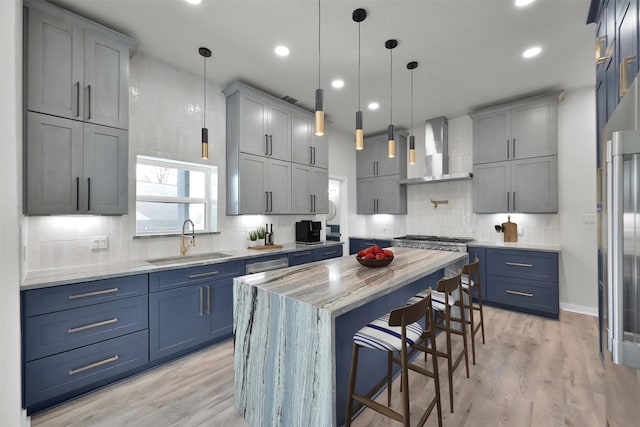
(471,280)
(400,331)
(442,302)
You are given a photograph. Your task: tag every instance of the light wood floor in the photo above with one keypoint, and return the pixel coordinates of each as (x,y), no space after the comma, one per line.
(531,372)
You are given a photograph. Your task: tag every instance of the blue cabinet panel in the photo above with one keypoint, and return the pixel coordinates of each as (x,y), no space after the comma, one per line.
(52,376)
(532,265)
(320,254)
(357,244)
(301,257)
(529,295)
(53,333)
(170,279)
(219,319)
(174,320)
(56,298)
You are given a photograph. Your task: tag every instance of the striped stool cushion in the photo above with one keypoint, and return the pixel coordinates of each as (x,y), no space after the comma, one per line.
(437,299)
(465,281)
(378,335)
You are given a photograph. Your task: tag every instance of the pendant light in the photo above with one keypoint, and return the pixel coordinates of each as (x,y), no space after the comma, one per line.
(205,53)
(412,139)
(358,16)
(319,109)
(391,44)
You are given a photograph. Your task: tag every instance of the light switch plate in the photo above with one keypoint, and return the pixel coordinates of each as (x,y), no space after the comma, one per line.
(99,242)
(588,218)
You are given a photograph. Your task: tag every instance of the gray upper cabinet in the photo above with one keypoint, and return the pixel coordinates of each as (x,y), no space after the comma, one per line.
(310,190)
(76,96)
(274,163)
(527,186)
(515,161)
(306,148)
(378,175)
(74,167)
(76,69)
(519,130)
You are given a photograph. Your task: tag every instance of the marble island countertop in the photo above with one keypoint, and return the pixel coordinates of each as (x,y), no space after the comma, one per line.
(342,284)
(66,275)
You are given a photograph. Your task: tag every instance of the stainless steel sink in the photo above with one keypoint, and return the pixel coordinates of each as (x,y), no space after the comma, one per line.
(187,258)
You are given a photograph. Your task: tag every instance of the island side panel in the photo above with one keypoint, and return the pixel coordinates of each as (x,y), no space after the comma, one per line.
(282,359)
(372,364)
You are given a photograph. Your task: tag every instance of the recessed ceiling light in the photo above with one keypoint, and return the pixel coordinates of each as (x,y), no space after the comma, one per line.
(373,106)
(193,1)
(531,52)
(523,3)
(281,50)
(337,83)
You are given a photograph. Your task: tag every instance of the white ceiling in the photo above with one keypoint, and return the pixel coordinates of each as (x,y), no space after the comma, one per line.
(469,51)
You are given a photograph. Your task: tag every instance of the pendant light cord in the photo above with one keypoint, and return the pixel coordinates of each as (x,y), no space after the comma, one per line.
(318,43)
(204,113)
(391,86)
(359,109)
(411,102)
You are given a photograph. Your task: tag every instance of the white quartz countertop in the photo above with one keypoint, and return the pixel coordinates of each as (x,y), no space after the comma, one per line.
(341,284)
(518,245)
(66,275)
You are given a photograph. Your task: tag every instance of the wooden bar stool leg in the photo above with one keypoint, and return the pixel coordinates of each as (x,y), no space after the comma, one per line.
(449,362)
(464,335)
(352,384)
(405,385)
(481,312)
(436,375)
(389,376)
(473,329)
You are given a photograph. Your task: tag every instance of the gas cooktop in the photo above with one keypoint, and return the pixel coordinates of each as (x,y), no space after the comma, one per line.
(423,238)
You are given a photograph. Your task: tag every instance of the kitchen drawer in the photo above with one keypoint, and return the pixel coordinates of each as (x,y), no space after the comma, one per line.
(300,257)
(64,297)
(320,254)
(170,279)
(532,265)
(62,373)
(525,294)
(53,333)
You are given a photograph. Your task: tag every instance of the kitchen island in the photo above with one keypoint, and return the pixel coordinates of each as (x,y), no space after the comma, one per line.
(294,327)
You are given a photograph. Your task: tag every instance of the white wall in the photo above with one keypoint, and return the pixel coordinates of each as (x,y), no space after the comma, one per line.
(10,123)
(577,195)
(165,119)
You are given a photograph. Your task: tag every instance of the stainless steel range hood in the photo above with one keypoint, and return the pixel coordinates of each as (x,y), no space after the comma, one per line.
(437,155)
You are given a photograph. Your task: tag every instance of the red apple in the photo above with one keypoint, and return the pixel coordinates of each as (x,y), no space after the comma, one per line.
(369,256)
(388,253)
(381,255)
(361,253)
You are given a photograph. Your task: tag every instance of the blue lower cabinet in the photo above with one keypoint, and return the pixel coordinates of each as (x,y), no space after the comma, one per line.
(299,258)
(219,323)
(66,372)
(528,295)
(320,254)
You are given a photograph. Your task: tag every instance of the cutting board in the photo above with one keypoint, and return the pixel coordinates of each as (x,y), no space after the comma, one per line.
(265,247)
(510,230)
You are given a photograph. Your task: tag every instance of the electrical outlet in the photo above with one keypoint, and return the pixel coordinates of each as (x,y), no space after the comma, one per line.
(588,218)
(99,242)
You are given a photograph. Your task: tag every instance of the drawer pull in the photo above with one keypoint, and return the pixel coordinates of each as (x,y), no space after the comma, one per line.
(94,365)
(93,325)
(518,264)
(331,253)
(209,273)
(522,294)
(92,294)
(201,309)
(208,299)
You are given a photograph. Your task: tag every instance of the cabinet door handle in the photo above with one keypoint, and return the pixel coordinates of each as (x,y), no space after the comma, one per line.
(314,202)
(310,202)
(208,299)
(88,194)
(77,193)
(600,58)
(201,308)
(207,274)
(94,293)
(314,155)
(514,200)
(270,201)
(508,201)
(522,294)
(266,201)
(310,155)
(623,73)
(77,99)
(508,147)
(514,148)
(271,145)
(266,144)
(519,264)
(89,106)
(92,325)
(94,365)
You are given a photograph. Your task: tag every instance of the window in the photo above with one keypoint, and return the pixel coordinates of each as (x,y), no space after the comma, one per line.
(169,192)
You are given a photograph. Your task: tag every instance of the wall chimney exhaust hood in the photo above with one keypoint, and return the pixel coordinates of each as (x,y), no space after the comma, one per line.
(437,155)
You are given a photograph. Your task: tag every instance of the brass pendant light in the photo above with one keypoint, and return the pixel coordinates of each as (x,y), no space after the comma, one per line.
(319,93)
(358,16)
(205,53)
(412,139)
(391,44)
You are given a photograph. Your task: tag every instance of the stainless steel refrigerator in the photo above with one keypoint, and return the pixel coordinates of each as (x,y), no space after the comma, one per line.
(619,244)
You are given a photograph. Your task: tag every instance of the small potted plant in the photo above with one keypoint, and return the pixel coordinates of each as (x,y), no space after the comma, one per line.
(261,233)
(253,238)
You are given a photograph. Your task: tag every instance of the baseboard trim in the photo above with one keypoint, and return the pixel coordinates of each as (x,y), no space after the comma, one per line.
(582,309)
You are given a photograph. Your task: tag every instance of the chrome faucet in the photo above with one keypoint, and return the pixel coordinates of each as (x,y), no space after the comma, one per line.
(185,248)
